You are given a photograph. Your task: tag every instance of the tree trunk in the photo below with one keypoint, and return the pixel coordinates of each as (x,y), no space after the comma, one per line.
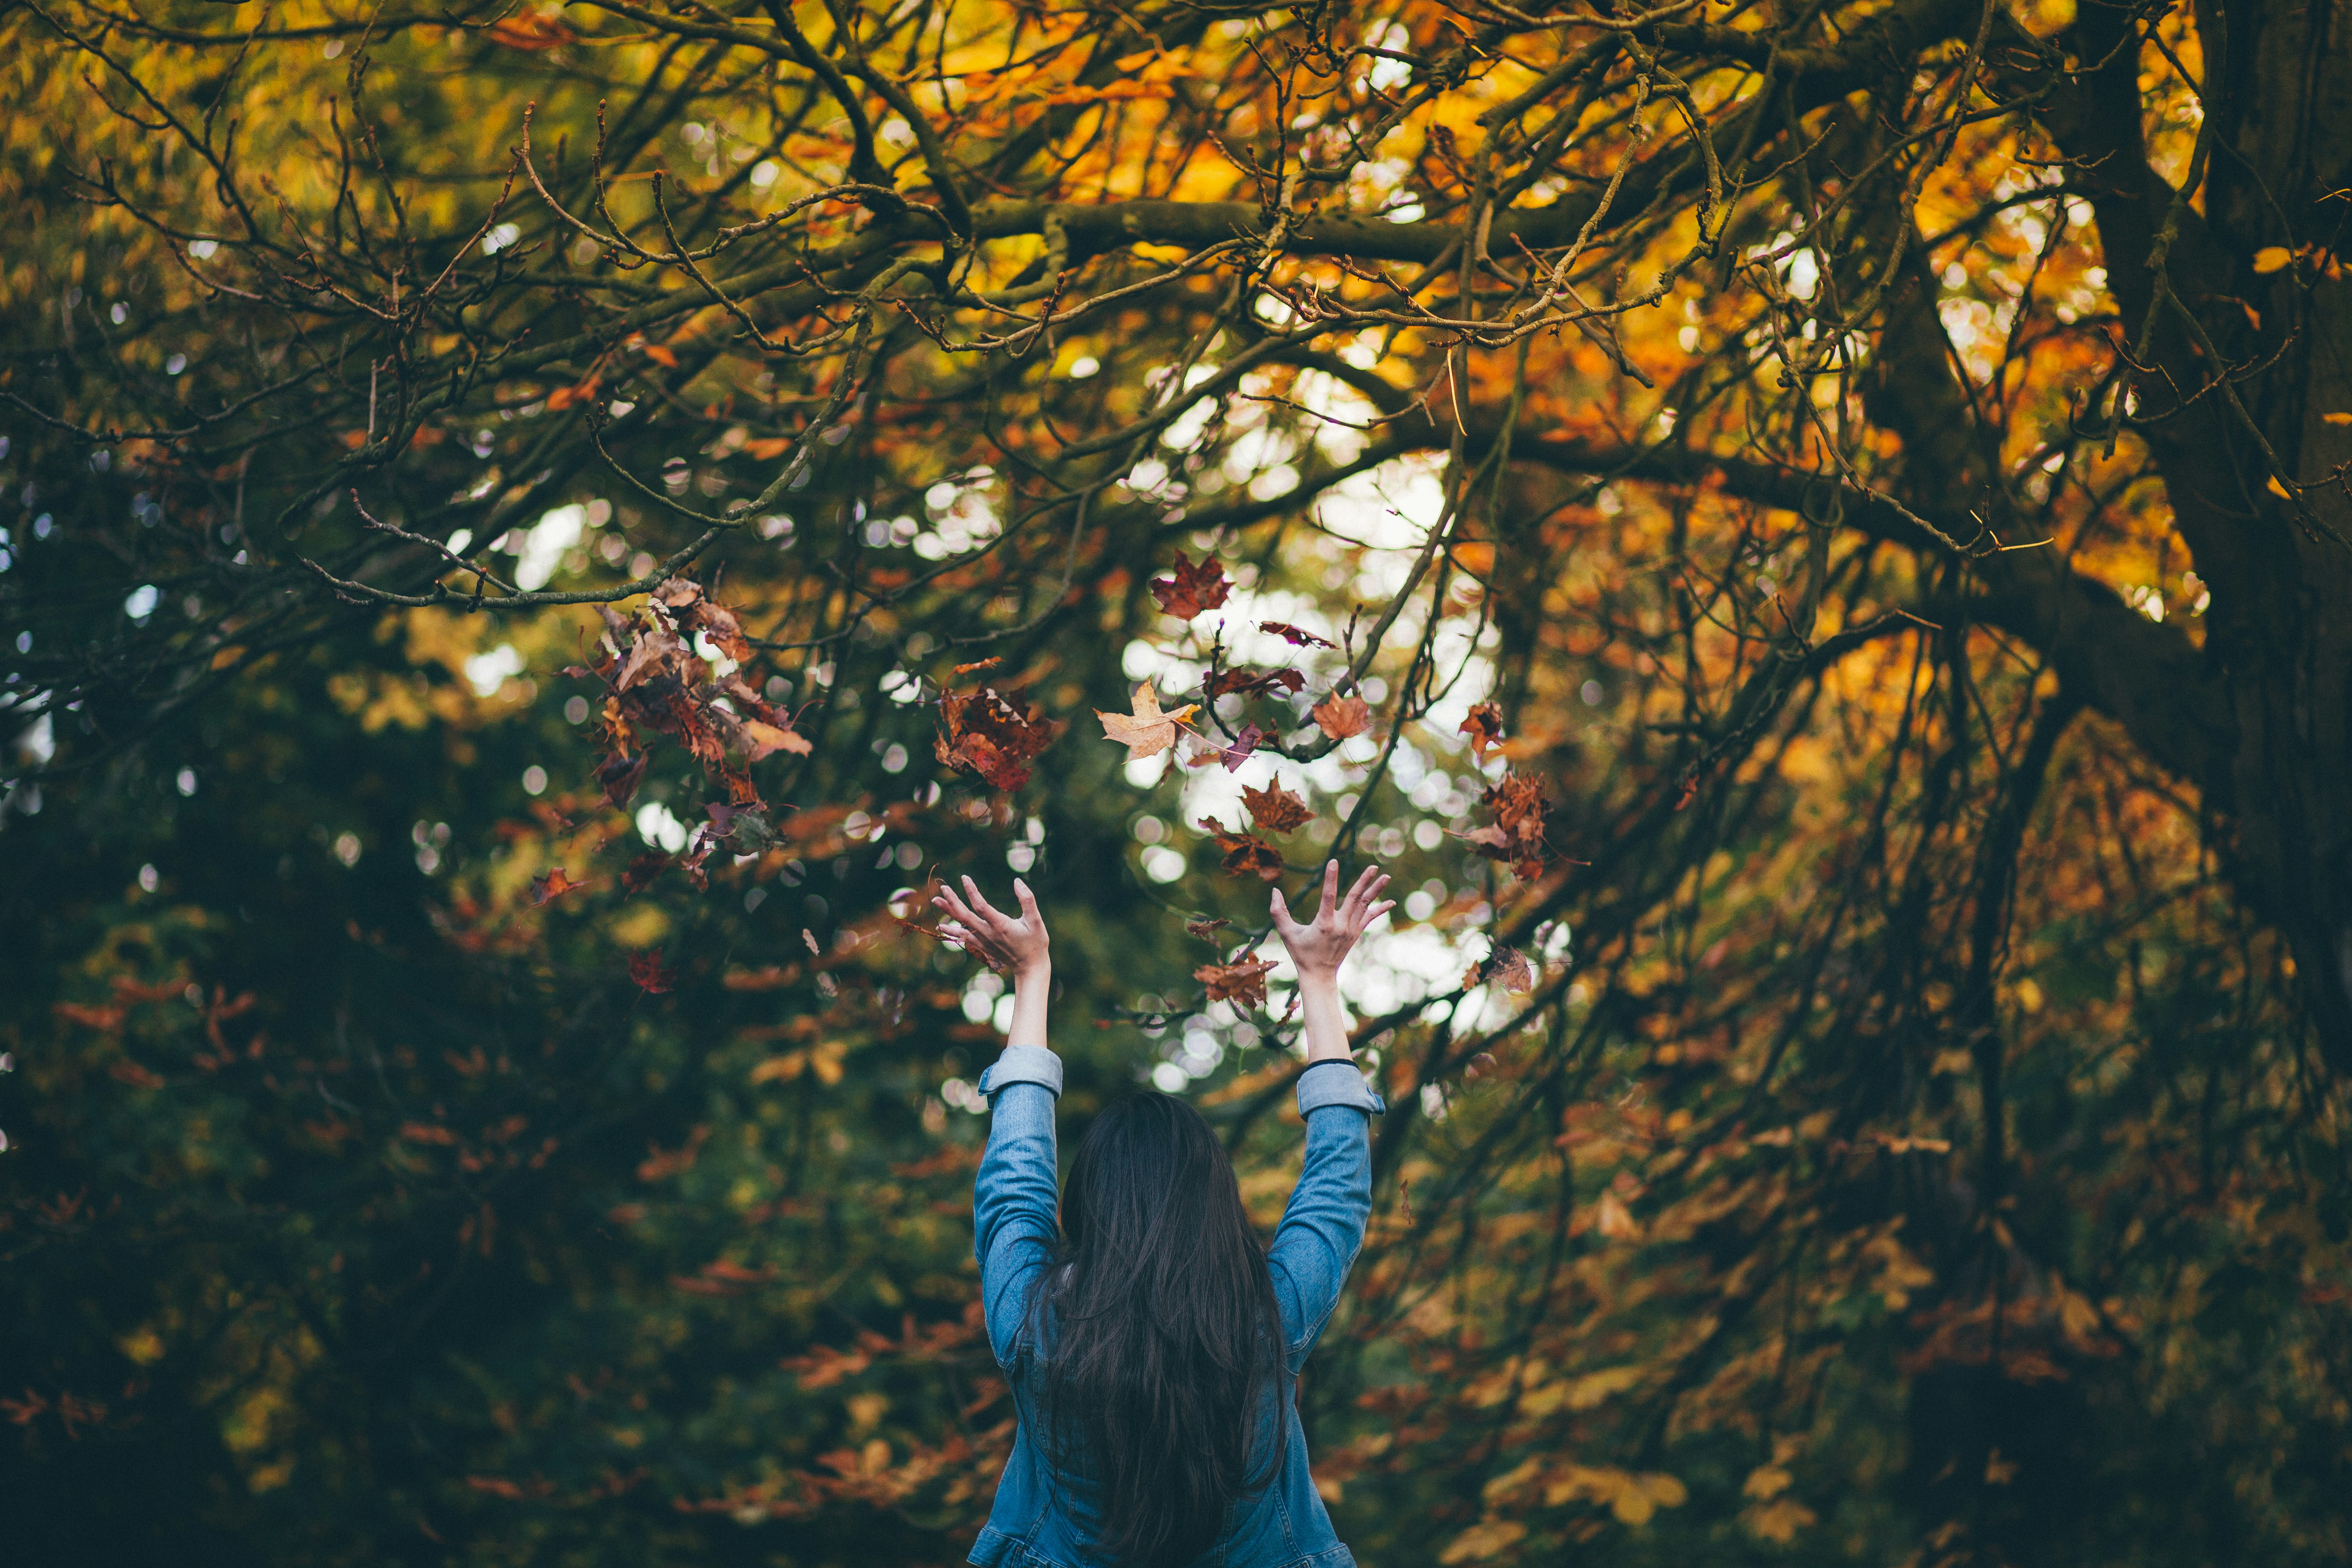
(2277,92)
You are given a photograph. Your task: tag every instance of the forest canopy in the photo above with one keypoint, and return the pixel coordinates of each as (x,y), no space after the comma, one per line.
(1813,539)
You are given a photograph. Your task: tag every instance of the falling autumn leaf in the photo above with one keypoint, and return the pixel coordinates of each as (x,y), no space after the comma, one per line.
(551,885)
(1206,928)
(1513,971)
(1484,725)
(1245,853)
(1245,682)
(531,31)
(1192,588)
(646,972)
(564,397)
(767,740)
(1146,731)
(618,775)
(1341,717)
(643,869)
(1242,984)
(2272,259)
(1293,635)
(1274,808)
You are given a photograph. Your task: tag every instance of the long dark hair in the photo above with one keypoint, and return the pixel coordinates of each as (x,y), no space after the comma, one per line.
(1165,1334)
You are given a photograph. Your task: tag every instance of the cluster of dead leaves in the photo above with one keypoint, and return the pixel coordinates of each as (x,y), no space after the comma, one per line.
(1516,837)
(656,684)
(983,733)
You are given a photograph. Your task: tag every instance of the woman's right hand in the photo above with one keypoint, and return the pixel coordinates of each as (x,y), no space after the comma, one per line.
(1319,946)
(1002,941)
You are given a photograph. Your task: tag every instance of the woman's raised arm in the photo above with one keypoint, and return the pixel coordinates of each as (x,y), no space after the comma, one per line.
(1014,1198)
(1323,1227)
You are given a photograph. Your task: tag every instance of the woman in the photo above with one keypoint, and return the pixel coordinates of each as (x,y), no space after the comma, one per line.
(1150,1339)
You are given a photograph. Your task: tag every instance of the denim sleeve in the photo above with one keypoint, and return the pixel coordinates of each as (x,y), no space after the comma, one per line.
(1014,1227)
(1323,1227)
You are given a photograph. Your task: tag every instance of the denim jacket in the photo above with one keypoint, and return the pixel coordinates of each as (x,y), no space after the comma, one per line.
(1014,1211)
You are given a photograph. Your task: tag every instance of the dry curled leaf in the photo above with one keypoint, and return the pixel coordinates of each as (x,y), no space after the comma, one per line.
(1243,682)
(1245,853)
(1293,635)
(1191,587)
(647,973)
(1341,717)
(1485,727)
(1274,808)
(1146,731)
(617,777)
(551,885)
(1512,969)
(1206,928)
(765,740)
(1242,984)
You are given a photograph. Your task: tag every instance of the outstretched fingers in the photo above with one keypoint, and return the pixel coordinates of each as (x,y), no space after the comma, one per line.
(973,894)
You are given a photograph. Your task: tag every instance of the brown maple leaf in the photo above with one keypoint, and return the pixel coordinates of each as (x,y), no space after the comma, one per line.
(984,734)
(1274,808)
(1146,731)
(1246,852)
(1242,984)
(1192,588)
(1206,927)
(1293,635)
(646,972)
(1484,728)
(1340,717)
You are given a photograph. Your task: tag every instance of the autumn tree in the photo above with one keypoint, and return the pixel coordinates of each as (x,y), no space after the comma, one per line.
(1815,536)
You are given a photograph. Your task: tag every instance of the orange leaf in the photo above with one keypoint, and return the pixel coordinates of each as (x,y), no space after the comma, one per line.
(1243,983)
(1474,556)
(1341,717)
(1274,808)
(564,397)
(661,355)
(531,32)
(1485,727)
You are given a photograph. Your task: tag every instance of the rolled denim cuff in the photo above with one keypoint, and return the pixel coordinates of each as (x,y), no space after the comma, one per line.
(1335,1082)
(1023,1064)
